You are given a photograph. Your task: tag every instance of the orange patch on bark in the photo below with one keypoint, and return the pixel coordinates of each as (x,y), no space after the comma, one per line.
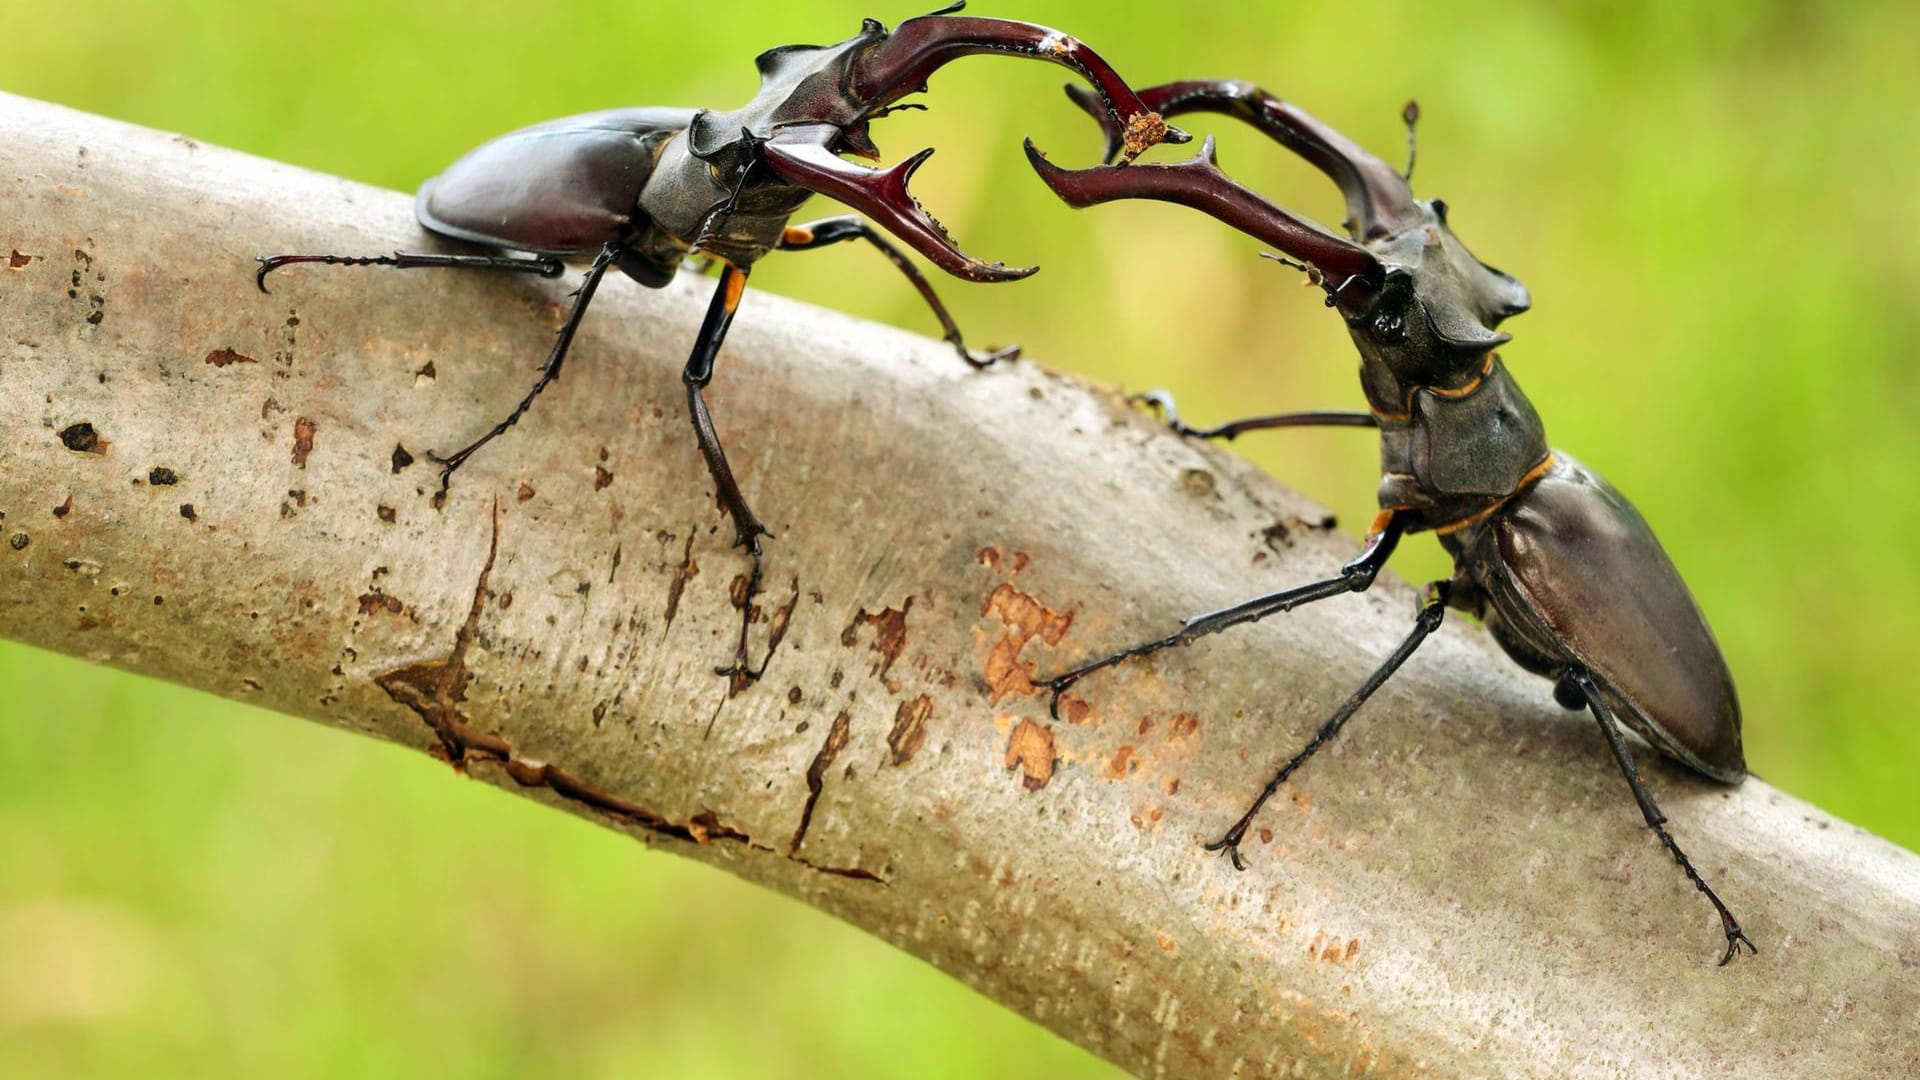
(1030,748)
(1022,618)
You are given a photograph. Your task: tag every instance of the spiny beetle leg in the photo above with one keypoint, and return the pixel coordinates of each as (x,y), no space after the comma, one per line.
(1356,576)
(835,230)
(747,529)
(543,265)
(1162,402)
(1432,610)
(1651,810)
(582,297)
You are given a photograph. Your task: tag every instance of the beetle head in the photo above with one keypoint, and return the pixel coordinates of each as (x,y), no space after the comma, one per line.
(1413,296)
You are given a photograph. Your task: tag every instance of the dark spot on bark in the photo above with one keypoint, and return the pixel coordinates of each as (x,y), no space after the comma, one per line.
(19,541)
(186,511)
(401,459)
(601,478)
(18,261)
(794,696)
(427,372)
(299,497)
(909,730)
(889,634)
(224,357)
(1198,483)
(64,508)
(386,514)
(82,439)
(161,476)
(838,677)
(506,601)
(159,600)
(1276,536)
(303,432)
(526,492)
(836,741)
(377,601)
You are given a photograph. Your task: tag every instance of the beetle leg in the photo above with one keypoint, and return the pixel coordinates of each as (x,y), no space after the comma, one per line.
(747,528)
(1356,576)
(1162,402)
(1432,610)
(544,265)
(581,298)
(1651,810)
(837,229)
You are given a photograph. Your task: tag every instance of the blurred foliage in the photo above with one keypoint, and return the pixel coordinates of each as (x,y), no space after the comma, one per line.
(1714,204)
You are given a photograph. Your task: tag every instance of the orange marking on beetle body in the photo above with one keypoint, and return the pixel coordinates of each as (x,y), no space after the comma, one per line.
(736,286)
(1526,481)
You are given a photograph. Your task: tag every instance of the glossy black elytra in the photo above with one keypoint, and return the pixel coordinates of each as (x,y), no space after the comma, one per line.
(1557,564)
(645,188)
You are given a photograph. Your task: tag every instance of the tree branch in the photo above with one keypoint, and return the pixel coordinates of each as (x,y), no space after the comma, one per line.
(212,486)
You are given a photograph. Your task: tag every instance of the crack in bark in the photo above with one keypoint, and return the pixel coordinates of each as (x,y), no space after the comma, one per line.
(435,689)
(681,575)
(836,741)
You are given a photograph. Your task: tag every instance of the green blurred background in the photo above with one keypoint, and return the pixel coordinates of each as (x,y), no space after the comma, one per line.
(1716,208)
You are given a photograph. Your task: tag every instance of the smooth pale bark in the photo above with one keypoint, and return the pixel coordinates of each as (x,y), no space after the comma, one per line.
(1460,886)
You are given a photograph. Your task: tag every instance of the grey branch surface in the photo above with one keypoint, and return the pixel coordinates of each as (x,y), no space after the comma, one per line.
(1459,886)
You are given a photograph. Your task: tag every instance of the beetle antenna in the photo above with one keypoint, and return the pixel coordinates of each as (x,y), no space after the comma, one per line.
(1410,115)
(1295,263)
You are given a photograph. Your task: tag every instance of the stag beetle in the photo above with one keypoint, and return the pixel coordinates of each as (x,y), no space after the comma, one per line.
(1558,565)
(645,188)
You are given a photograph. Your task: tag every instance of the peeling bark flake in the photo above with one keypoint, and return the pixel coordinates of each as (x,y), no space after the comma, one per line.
(1030,748)
(909,730)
